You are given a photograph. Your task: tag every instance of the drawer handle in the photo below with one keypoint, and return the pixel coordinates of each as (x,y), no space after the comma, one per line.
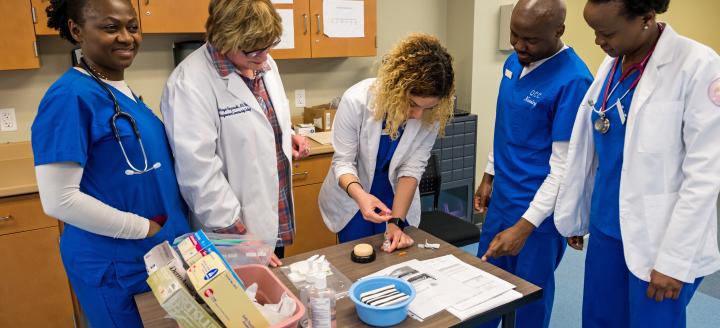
(304,173)
(305,24)
(8,217)
(317,20)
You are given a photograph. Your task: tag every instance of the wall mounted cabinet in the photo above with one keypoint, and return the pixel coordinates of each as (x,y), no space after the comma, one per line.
(18,49)
(312,42)
(40,18)
(173,16)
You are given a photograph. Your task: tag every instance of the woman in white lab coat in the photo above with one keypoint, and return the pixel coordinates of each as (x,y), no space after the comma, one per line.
(228,122)
(383,132)
(643,169)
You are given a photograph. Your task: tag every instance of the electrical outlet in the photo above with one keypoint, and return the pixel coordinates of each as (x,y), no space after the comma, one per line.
(300,98)
(7,120)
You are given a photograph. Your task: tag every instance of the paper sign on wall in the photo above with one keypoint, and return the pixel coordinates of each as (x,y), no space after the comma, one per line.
(287,39)
(344,18)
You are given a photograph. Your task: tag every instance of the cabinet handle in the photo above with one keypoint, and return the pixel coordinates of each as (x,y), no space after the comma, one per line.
(304,173)
(317,20)
(305,24)
(8,217)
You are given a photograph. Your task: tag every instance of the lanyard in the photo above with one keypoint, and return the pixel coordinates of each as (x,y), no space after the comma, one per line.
(639,67)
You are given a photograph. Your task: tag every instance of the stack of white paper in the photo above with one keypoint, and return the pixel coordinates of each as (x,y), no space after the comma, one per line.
(447,283)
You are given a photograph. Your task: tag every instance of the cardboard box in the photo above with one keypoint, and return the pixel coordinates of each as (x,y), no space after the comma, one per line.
(225,296)
(304,129)
(198,245)
(193,248)
(163,255)
(321,116)
(177,300)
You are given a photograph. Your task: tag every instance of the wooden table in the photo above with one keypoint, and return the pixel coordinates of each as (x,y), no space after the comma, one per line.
(339,255)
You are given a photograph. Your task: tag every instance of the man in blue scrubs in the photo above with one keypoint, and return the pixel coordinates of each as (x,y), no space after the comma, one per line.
(542,86)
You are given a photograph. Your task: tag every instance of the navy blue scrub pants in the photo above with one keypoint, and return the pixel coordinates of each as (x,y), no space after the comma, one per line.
(535,263)
(614,297)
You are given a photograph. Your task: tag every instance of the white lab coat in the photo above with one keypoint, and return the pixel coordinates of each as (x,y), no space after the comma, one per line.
(670,175)
(224,146)
(356,137)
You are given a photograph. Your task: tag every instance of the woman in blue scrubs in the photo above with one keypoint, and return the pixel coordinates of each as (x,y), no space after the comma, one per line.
(103,163)
(383,132)
(642,177)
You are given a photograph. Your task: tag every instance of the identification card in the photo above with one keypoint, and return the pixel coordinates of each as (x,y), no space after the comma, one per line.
(508,74)
(621,112)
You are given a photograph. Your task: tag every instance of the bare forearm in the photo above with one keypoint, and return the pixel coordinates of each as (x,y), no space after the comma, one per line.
(404,193)
(351,184)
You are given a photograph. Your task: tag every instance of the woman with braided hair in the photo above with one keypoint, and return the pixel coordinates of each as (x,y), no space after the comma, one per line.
(383,132)
(115,191)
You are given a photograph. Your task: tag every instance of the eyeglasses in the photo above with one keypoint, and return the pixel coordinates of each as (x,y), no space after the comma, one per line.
(258,52)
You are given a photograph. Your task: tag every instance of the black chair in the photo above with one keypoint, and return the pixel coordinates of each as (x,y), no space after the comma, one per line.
(447,227)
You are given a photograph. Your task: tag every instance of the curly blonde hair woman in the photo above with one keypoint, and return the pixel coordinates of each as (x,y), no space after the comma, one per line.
(419,66)
(383,132)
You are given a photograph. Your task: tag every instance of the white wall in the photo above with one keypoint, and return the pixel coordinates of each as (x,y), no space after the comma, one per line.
(487,70)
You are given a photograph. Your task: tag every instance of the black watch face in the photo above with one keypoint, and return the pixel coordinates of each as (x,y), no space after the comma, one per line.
(396,221)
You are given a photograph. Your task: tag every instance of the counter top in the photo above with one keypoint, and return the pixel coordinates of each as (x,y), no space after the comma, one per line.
(317,148)
(17,169)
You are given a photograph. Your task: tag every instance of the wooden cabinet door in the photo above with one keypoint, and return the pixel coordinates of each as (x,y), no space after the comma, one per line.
(310,230)
(40,17)
(324,46)
(35,291)
(173,16)
(310,170)
(23,213)
(301,30)
(17,45)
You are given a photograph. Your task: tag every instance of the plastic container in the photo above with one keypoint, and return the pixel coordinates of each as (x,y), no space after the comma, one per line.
(270,290)
(381,316)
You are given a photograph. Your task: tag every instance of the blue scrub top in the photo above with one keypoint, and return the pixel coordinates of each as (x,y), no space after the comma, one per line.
(605,203)
(73,125)
(532,113)
(381,187)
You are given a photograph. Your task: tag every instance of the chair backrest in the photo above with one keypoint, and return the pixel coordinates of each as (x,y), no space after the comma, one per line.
(431,181)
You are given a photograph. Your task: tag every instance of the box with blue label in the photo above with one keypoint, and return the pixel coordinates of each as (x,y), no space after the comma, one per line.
(218,286)
(197,246)
(177,300)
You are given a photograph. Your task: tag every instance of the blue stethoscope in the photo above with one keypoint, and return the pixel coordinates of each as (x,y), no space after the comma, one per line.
(119,114)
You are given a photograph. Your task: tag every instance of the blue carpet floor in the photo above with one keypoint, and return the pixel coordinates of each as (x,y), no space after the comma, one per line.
(703,311)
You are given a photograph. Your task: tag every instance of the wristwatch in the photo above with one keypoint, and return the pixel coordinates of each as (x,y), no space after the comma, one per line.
(397,222)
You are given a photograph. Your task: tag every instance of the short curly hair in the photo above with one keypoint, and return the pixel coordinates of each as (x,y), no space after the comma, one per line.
(242,25)
(419,66)
(635,8)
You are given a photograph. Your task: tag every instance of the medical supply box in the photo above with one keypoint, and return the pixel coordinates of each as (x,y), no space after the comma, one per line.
(320,116)
(304,129)
(163,255)
(217,285)
(177,300)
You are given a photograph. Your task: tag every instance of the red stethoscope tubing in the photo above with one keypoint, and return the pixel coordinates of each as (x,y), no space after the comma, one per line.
(640,67)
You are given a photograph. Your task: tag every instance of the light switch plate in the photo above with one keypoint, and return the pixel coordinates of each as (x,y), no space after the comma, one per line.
(300,98)
(7,120)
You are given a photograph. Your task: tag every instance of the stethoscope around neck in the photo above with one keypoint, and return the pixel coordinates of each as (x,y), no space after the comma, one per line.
(119,114)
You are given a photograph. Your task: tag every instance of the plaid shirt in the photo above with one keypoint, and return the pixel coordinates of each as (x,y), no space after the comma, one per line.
(286,228)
